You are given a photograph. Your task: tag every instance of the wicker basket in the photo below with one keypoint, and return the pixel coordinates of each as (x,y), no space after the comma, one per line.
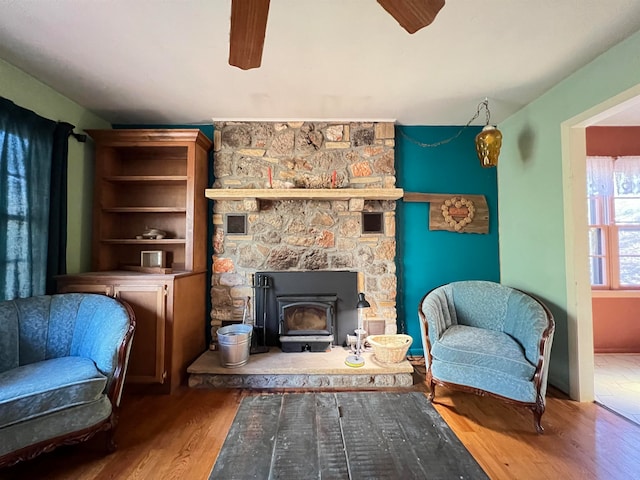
(390,348)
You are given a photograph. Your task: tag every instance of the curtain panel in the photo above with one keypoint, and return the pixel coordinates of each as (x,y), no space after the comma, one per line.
(613,176)
(30,151)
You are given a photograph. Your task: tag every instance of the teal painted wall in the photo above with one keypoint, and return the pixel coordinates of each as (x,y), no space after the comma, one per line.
(427,259)
(30,93)
(530,181)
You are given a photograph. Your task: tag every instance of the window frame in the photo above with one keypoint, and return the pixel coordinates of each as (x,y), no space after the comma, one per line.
(603,218)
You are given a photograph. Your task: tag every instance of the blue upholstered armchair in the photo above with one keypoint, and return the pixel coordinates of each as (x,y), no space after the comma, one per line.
(62,365)
(488,339)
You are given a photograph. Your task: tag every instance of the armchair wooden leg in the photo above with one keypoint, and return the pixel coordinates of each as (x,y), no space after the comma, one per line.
(432,390)
(538,410)
(110,441)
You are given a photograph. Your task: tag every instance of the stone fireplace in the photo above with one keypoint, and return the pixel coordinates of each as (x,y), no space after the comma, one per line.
(299,233)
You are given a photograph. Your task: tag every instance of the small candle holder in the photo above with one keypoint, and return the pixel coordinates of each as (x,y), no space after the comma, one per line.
(357,360)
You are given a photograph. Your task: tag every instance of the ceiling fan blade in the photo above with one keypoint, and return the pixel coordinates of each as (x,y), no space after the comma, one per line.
(248,27)
(412,15)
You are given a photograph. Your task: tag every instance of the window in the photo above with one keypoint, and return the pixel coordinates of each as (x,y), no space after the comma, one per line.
(613,206)
(33,185)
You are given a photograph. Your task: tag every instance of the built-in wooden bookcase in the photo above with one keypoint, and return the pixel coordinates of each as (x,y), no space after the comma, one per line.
(149,179)
(152,179)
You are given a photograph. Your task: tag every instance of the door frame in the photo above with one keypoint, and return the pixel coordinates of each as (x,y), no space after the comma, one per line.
(578,285)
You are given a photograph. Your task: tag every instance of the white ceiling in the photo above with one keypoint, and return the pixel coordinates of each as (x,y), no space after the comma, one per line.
(166,61)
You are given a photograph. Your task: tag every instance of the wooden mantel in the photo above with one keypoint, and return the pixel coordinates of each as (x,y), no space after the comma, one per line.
(304,193)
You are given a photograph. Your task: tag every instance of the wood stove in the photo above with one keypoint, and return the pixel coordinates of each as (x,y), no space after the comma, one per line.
(306,322)
(305,311)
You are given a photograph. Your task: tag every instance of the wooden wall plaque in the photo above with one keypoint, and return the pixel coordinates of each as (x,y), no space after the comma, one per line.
(454,212)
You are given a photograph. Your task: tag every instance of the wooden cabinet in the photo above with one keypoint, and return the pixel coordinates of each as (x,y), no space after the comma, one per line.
(152,179)
(149,179)
(170,319)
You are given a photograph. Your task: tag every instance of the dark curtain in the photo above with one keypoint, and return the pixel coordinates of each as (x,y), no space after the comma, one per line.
(57,247)
(31,149)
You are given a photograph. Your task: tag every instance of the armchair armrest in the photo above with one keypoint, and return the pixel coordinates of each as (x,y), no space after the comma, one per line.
(530,322)
(437,311)
(103,333)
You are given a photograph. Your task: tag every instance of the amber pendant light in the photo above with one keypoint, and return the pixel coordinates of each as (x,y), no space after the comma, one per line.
(488,143)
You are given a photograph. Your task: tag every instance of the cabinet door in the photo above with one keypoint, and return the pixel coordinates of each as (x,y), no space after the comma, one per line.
(147,358)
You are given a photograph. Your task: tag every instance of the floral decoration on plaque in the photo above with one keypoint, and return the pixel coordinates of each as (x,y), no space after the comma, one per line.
(458,212)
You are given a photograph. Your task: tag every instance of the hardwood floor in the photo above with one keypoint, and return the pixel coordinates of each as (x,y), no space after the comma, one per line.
(179,436)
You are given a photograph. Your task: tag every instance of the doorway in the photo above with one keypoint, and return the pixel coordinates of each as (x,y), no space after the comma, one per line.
(584,364)
(613,163)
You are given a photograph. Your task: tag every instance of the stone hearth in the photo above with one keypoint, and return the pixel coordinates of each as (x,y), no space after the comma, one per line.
(312,370)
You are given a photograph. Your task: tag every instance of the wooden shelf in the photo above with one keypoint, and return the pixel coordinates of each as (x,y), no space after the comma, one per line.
(304,193)
(154,179)
(143,241)
(144,210)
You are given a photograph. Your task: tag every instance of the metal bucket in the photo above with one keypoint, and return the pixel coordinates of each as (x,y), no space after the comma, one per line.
(235,343)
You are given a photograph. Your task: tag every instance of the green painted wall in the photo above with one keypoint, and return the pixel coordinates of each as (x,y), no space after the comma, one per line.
(427,259)
(530,182)
(32,94)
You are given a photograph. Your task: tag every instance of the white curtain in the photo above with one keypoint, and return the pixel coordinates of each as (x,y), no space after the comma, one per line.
(600,176)
(627,175)
(616,176)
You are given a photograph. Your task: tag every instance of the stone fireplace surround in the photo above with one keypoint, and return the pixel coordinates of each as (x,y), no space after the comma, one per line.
(337,170)
(303,234)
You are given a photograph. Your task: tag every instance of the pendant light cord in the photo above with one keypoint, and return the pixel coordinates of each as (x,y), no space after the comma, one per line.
(484,104)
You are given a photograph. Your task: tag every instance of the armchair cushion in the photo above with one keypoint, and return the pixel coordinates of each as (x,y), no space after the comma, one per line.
(46,428)
(44,387)
(487,349)
(486,380)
